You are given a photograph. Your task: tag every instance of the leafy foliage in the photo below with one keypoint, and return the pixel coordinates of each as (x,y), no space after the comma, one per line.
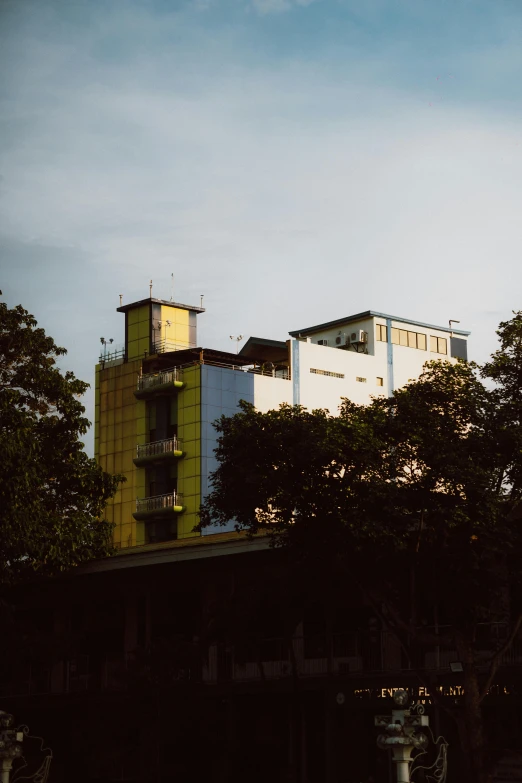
(52,495)
(423,473)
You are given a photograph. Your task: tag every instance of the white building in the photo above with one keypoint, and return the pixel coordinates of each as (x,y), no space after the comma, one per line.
(358,357)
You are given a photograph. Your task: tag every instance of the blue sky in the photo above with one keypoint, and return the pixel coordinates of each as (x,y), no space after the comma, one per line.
(293,161)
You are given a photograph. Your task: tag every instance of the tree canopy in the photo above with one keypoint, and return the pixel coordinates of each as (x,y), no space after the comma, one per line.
(418,496)
(52,495)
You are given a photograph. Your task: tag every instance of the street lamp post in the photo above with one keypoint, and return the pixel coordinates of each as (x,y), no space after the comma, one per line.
(237,339)
(10,745)
(105,343)
(401,733)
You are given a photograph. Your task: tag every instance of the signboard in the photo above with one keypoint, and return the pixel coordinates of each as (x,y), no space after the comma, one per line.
(422,694)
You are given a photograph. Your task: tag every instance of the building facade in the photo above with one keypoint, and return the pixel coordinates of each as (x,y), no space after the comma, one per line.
(157,399)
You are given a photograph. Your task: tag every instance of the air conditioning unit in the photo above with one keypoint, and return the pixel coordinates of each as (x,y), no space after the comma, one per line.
(360,336)
(322,342)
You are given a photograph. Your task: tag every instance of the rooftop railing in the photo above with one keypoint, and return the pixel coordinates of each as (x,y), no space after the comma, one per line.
(158,447)
(166,346)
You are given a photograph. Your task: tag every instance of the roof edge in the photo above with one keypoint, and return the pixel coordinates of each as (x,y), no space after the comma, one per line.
(375,314)
(152,300)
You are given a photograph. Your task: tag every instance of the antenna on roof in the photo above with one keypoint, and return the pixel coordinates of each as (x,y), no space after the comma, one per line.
(201,303)
(121,299)
(150,289)
(172,286)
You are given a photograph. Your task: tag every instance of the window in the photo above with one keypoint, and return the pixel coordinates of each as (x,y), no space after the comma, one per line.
(380,381)
(361,380)
(438,345)
(322,342)
(381,333)
(327,372)
(408,339)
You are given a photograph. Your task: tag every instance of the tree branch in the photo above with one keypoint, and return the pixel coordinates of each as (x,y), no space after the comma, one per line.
(430,687)
(495,661)
(425,637)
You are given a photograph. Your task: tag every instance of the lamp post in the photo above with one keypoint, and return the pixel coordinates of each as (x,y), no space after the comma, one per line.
(237,339)
(10,745)
(401,733)
(105,343)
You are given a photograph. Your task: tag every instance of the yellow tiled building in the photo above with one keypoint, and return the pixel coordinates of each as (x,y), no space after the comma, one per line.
(147,423)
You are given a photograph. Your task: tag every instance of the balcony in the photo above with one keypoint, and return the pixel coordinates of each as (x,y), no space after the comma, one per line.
(164,381)
(158,451)
(158,506)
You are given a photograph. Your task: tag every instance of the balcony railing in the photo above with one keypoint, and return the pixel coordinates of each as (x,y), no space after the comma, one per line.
(159,502)
(149,381)
(354,655)
(158,448)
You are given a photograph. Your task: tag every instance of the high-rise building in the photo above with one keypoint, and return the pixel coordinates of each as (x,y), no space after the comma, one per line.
(157,397)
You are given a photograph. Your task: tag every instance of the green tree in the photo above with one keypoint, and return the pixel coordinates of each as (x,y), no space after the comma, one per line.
(415,497)
(52,495)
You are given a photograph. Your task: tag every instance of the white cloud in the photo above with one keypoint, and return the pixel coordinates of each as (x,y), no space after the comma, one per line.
(288,193)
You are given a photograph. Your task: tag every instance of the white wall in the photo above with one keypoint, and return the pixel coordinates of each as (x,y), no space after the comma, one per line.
(323,391)
(270,392)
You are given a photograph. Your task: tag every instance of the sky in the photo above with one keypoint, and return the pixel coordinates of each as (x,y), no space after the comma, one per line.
(294,161)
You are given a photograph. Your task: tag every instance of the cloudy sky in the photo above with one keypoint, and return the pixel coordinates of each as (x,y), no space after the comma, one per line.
(293,160)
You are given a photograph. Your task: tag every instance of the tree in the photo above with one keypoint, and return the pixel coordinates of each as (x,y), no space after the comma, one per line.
(52,495)
(416,497)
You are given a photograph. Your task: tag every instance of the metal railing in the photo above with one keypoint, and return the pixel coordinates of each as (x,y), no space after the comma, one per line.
(157,502)
(114,352)
(166,346)
(276,372)
(159,378)
(354,655)
(158,447)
